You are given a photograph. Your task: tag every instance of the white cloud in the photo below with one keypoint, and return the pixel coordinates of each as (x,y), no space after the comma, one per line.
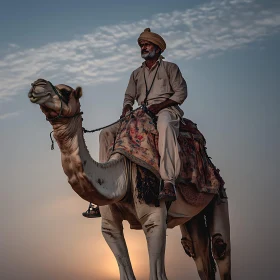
(9,115)
(14,46)
(103,55)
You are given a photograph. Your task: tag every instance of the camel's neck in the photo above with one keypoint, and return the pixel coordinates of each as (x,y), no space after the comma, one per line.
(94,182)
(68,135)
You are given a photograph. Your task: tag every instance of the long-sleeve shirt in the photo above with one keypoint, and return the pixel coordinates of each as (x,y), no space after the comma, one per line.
(169,84)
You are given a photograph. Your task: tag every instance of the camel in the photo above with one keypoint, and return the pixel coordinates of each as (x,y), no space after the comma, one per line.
(112,186)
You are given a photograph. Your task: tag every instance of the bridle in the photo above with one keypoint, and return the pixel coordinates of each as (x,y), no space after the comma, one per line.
(62,99)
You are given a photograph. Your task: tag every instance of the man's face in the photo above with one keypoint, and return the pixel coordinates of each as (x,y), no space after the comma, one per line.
(148,49)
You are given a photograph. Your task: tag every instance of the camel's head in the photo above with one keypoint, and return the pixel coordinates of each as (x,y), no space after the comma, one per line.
(55,100)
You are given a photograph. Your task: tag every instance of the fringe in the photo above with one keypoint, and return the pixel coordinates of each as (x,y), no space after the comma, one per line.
(147,185)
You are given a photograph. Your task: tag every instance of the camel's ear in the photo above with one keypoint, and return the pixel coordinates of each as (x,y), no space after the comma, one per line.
(78,92)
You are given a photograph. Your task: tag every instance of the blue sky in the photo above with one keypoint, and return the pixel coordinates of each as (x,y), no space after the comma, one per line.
(228,52)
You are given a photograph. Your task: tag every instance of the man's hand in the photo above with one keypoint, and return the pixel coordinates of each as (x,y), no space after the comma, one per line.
(127,108)
(155,108)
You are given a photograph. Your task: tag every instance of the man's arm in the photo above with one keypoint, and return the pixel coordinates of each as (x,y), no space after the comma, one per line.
(179,86)
(126,108)
(129,96)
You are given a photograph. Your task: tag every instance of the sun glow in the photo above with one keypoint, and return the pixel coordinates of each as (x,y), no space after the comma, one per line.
(78,247)
(98,261)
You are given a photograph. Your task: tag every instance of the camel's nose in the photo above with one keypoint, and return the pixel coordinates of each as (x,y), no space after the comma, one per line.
(30,93)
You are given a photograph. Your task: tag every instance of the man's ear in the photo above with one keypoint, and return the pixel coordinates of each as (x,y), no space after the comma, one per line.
(158,50)
(78,92)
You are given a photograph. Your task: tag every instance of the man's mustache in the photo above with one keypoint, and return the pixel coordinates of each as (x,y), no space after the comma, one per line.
(144,51)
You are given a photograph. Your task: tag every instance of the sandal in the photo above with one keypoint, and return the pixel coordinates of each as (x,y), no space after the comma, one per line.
(168,192)
(92,212)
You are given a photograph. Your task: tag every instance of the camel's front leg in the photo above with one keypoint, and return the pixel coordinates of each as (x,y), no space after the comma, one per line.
(112,231)
(153,220)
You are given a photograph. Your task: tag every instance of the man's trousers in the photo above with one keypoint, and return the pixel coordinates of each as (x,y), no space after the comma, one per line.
(168,147)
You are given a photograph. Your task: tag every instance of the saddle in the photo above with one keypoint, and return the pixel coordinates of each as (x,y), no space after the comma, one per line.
(137,139)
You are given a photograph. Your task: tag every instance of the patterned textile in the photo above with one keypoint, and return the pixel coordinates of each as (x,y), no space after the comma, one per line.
(137,139)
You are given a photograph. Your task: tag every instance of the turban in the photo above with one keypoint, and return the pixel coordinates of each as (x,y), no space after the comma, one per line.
(153,38)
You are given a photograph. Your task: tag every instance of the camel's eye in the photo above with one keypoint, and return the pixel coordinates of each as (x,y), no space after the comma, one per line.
(65,94)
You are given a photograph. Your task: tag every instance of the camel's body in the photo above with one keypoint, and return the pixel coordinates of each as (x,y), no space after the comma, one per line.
(112,185)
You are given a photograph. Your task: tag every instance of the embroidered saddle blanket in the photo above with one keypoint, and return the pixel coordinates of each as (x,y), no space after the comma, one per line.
(137,139)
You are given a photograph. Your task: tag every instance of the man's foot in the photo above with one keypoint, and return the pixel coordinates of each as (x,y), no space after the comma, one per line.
(92,212)
(168,192)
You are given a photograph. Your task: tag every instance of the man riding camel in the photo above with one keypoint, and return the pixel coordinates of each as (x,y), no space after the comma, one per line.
(160,86)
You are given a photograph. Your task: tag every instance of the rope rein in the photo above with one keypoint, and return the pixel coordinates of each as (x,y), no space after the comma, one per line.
(64,99)
(119,120)
(143,107)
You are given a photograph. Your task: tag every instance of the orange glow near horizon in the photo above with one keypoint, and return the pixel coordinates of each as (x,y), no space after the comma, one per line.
(83,250)
(100,261)
(64,243)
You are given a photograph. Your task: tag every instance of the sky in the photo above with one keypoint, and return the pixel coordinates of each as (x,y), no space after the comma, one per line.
(228,52)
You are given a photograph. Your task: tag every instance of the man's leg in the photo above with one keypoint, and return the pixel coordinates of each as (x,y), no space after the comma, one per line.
(168,129)
(106,138)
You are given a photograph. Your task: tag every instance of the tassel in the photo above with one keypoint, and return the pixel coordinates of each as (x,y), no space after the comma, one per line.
(52,146)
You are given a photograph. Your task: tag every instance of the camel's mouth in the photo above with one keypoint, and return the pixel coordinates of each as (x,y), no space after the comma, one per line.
(34,99)
(40,91)
(38,99)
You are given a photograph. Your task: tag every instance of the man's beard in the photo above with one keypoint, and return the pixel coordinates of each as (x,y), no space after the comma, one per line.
(148,55)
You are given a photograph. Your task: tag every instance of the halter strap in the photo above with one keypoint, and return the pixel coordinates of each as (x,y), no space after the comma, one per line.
(149,90)
(62,99)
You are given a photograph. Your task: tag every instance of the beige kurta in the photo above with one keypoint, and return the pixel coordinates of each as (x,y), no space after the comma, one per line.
(168,84)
